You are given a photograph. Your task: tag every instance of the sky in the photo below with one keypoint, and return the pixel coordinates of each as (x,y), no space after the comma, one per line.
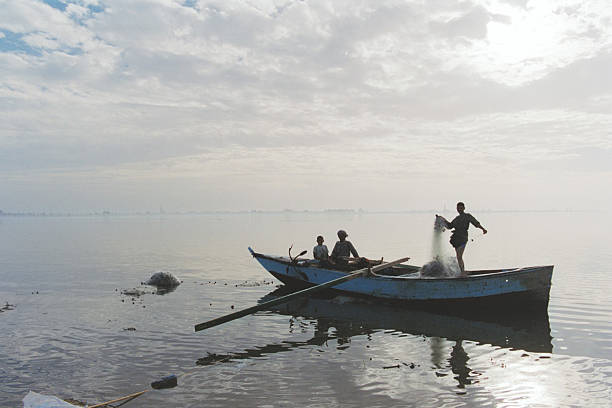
(190,105)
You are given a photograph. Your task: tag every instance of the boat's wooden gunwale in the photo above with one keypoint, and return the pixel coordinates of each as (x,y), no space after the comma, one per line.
(472,275)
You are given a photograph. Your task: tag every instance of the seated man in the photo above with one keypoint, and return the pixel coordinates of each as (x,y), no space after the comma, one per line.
(343,249)
(320,251)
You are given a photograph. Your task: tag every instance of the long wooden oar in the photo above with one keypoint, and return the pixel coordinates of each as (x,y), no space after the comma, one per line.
(286,298)
(127,397)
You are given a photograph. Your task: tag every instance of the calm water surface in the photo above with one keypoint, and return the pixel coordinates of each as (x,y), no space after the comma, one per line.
(67,334)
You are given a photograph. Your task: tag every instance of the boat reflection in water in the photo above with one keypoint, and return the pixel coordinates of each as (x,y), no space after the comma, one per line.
(529,332)
(356,316)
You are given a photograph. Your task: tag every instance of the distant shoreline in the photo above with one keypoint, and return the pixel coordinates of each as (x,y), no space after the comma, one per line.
(273,212)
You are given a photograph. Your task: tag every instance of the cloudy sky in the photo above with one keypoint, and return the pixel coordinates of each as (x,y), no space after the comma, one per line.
(129,105)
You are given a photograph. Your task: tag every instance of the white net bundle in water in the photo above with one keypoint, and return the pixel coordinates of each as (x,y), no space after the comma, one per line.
(35,400)
(163,280)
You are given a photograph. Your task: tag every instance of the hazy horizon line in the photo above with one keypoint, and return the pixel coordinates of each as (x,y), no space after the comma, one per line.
(106,213)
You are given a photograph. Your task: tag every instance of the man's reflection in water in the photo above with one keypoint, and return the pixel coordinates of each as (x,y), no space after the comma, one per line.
(342,333)
(458,362)
(321,332)
(458,359)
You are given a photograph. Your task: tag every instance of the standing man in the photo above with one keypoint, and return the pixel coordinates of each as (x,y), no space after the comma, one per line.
(459,238)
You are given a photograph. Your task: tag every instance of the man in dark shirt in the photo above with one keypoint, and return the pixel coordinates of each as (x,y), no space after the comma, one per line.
(342,249)
(459,238)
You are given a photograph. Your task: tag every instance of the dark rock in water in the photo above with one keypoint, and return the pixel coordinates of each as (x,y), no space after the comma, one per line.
(169,381)
(163,280)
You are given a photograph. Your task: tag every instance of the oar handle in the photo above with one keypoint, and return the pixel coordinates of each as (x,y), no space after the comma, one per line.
(273,302)
(132,396)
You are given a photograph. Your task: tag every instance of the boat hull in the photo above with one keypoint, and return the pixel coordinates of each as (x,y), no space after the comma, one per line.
(518,285)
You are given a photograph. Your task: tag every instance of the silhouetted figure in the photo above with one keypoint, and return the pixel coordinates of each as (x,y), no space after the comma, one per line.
(459,238)
(458,362)
(319,252)
(343,249)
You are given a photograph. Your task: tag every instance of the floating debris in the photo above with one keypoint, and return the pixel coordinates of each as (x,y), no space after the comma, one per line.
(213,358)
(248,284)
(76,402)
(6,307)
(133,292)
(133,295)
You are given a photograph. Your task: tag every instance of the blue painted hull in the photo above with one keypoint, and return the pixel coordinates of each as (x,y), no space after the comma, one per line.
(530,283)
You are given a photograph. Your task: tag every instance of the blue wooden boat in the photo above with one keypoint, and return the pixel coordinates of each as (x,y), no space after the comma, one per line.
(404,283)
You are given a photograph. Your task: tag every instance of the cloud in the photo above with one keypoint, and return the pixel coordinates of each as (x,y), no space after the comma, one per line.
(192,87)
(472,24)
(576,84)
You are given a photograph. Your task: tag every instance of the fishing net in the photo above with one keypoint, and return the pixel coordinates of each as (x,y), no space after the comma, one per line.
(35,400)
